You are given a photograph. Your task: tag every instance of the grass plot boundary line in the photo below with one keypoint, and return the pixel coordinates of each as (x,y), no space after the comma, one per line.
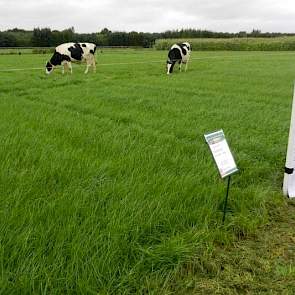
(155,61)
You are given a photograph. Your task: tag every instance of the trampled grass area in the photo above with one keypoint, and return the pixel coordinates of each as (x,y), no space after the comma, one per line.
(106,183)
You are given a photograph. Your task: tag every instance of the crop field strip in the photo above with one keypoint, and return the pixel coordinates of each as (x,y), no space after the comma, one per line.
(106,183)
(233,44)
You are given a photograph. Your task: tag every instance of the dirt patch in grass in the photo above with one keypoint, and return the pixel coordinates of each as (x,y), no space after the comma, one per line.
(262,264)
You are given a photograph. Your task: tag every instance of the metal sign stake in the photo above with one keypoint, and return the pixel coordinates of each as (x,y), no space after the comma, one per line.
(224,160)
(225,201)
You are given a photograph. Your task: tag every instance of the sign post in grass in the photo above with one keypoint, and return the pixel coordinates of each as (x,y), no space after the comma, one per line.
(223,158)
(289,175)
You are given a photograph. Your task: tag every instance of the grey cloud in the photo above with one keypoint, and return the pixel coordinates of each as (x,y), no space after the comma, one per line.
(149,15)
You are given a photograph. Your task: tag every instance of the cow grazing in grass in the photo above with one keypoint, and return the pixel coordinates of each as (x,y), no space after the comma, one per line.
(178,53)
(66,53)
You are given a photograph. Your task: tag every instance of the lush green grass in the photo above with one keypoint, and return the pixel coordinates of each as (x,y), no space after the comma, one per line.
(106,183)
(240,44)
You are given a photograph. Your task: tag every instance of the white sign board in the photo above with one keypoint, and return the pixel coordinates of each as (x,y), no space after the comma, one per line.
(289,176)
(221,153)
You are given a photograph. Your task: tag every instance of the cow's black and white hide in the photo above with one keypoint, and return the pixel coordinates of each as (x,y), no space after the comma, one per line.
(178,53)
(66,53)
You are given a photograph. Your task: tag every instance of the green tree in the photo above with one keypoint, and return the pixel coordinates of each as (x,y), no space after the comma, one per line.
(42,37)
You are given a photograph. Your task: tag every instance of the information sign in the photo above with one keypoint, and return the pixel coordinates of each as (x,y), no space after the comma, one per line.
(221,153)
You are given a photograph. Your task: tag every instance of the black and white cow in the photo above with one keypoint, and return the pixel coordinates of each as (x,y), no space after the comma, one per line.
(178,53)
(66,53)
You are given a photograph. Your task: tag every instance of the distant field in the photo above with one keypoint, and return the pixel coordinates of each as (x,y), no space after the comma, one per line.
(106,183)
(48,50)
(20,50)
(233,44)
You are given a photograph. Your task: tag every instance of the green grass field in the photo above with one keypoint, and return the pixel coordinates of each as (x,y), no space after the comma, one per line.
(106,183)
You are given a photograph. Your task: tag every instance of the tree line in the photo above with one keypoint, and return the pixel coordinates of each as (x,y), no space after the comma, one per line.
(45,37)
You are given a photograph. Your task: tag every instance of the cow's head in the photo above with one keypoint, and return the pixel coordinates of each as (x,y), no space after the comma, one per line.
(169,66)
(49,68)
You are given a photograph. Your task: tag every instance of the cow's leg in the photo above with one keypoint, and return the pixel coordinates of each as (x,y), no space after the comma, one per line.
(186,65)
(88,59)
(170,67)
(94,65)
(67,66)
(180,64)
(87,68)
(70,67)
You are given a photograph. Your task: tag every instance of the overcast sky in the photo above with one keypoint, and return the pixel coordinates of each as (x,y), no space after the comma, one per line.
(149,15)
